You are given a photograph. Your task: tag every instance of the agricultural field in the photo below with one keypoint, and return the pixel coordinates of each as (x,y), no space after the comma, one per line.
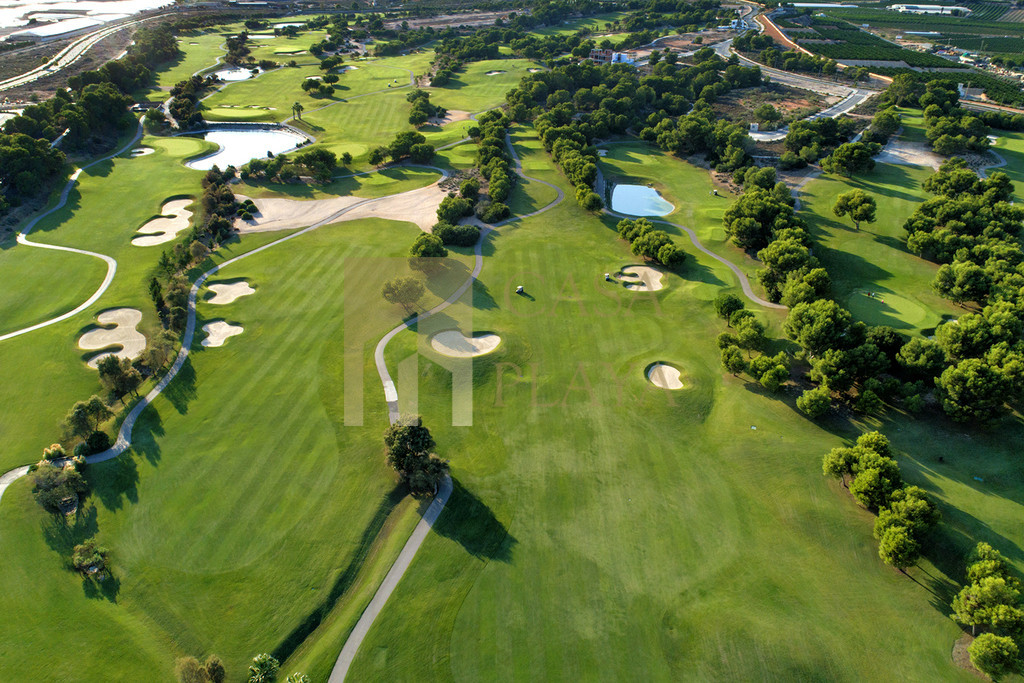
(878,18)
(851,43)
(599,527)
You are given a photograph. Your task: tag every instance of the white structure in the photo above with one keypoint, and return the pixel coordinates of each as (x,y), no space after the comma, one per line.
(55,30)
(930,9)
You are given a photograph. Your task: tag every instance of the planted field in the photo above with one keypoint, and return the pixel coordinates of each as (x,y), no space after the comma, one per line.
(984,44)
(877,18)
(852,43)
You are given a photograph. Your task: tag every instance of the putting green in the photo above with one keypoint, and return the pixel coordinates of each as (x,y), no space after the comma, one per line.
(876,307)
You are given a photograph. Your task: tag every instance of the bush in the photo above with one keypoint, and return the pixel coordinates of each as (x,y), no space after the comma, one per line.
(54,452)
(457,235)
(97,442)
(492,212)
(815,402)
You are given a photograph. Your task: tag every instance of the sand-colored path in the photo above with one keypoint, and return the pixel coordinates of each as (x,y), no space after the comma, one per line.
(111,263)
(387,587)
(664,376)
(218,332)
(226,292)
(748,291)
(642,278)
(415,206)
(457,345)
(166,227)
(123,333)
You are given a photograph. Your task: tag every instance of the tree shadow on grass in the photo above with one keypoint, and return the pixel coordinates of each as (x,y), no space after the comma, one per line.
(62,534)
(147,428)
(182,389)
(346,578)
(468,521)
(106,588)
(116,481)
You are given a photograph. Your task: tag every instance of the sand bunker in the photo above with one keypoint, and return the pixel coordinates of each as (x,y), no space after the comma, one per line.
(664,376)
(453,116)
(218,332)
(909,153)
(227,292)
(141,151)
(494,73)
(416,206)
(457,345)
(125,320)
(167,227)
(642,278)
(534,71)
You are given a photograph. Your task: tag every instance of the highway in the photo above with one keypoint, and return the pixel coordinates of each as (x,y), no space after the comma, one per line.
(71,54)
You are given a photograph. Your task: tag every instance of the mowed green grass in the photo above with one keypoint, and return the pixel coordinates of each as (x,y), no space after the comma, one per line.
(688,188)
(203,55)
(595,23)
(1011,147)
(472,90)
(249,500)
(59,282)
(875,258)
(603,529)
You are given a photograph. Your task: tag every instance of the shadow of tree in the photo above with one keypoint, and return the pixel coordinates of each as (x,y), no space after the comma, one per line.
(147,428)
(468,521)
(346,578)
(182,389)
(106,588)
(63,534)
(115,481)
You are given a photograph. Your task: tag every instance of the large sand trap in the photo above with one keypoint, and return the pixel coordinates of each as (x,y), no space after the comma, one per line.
(125,320)
(664,376)
(493,73)
(453,116)
(454,343)
(534,71)
(642,278)
(218,332)
(166,227)
(909,153)
(227,292)
(141,151)
(416,206)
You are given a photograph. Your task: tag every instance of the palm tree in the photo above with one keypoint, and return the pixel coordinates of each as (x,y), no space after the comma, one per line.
(297,110)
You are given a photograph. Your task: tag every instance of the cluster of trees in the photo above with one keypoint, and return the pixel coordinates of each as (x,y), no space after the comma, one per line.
(83,422)
(184,104)
(238,51)
(970,221)
(54,486)
(320,87)
(884,124)
(320,163)
(408,144)
(570,151)
(410,451)
(850,158)
(28,166)
(905,513)
(808,141)
(422,109)
(191,670)
(90,558)
(495,166)
(119,376)
(651,244)
(950,128)
(763,219)
(748,334)
(991,600)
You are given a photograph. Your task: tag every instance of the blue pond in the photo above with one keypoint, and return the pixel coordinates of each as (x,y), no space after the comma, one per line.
(639,200)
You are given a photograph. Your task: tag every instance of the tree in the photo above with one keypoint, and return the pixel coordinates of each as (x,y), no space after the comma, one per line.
(410,452)
(378,156)
(818,325)
(215,669)
(298,677)
(119,375)
(189,670)
(732,360)
(850,158)
(428,246)
(815,402)
(403,290)
(994,655)
(898,548)
(978,603)
(263,669)
(727,304)
(858,205)
(839,463)
(297,110)
(88,557)
(973,390)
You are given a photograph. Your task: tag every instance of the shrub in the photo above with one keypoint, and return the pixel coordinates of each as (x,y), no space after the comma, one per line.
(492,212)
(98,442)
(457,235)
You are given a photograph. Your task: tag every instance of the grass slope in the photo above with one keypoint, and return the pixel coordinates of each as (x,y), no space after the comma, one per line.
(602,529)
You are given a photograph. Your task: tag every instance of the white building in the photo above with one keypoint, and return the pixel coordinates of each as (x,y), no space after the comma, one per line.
(930,9)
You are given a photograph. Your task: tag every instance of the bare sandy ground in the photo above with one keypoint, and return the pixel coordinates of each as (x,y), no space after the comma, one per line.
(453,116)
(225,293)
(125,320)
(908,153)
(416,206)
(141,151)
(218,332)
(664,376)
(167,227)
(642,278)
(457,345)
